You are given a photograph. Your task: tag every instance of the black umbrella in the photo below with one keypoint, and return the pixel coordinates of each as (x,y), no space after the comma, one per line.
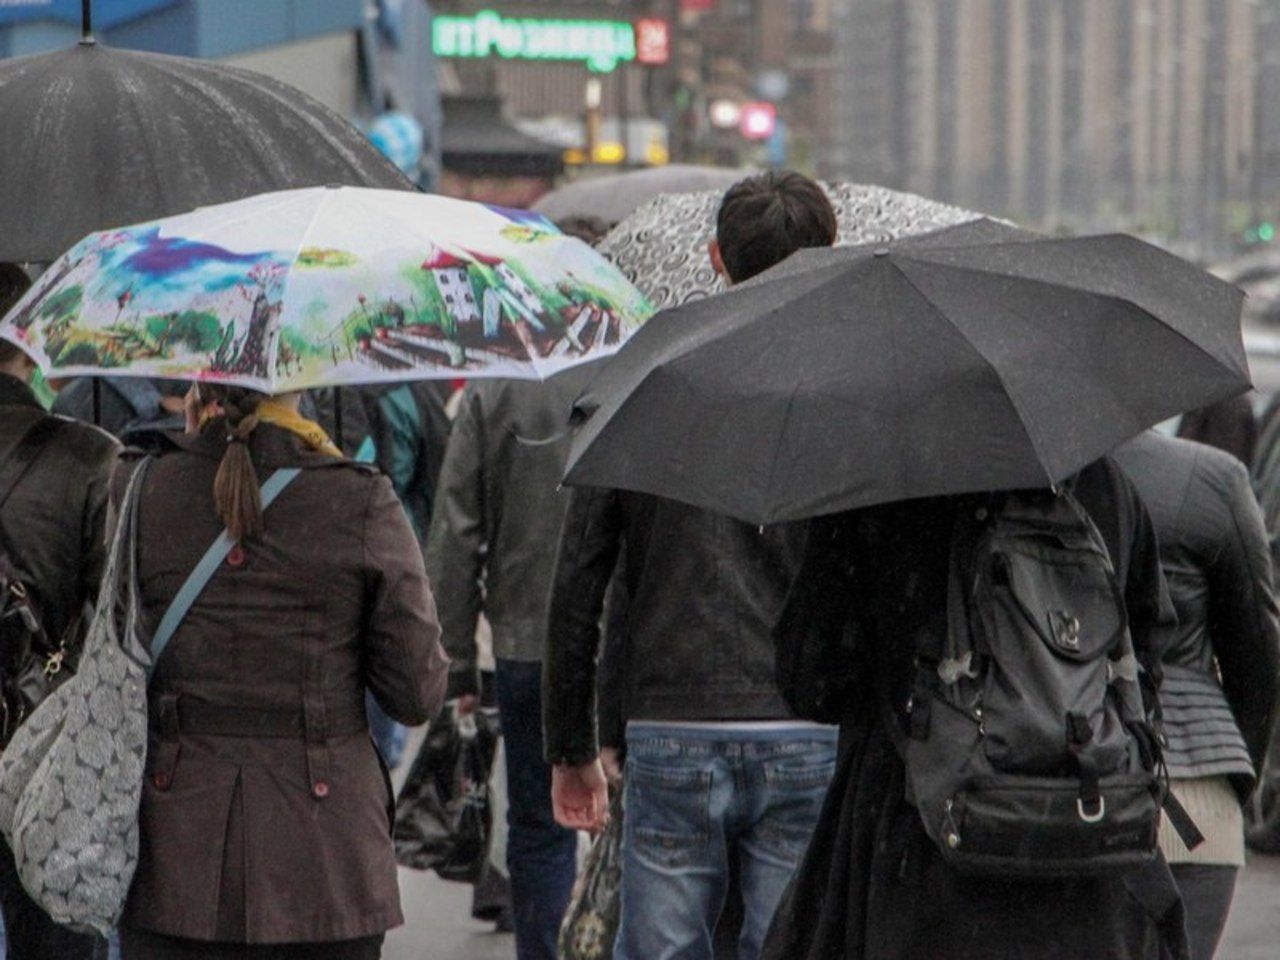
(976,358)
(96,138)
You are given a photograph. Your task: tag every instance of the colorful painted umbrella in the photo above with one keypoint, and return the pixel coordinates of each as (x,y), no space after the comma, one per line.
(325,287)
(662,246)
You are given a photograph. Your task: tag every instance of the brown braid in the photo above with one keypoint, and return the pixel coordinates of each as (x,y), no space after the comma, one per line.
(235,487)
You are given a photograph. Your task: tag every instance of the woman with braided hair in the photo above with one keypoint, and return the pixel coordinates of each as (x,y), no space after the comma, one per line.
(266,812)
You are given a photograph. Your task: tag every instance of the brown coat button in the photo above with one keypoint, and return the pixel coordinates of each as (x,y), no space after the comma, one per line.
(161,780)
(320,790)
(235,556)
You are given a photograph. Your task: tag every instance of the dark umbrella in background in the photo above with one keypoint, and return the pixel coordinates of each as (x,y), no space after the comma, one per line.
(980,357)
(96,137)
(614,197)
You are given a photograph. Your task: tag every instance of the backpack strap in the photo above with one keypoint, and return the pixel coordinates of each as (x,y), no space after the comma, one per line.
(25,453)
(206,568)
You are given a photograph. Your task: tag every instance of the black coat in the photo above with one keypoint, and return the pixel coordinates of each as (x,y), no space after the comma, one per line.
(872,885)
(53,521)
(1214,551)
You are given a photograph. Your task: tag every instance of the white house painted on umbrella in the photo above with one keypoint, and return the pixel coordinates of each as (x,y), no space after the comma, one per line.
(453,280)
(517,294)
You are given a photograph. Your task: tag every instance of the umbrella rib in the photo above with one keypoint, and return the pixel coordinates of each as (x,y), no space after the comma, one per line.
(153,168)
(189,83)
(777,448)
(284,289)
(1032,434)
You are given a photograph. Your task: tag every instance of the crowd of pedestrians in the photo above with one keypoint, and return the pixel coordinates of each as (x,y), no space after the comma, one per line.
(754,692)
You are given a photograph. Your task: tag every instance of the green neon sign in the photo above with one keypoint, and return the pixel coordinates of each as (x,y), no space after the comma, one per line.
(601,44)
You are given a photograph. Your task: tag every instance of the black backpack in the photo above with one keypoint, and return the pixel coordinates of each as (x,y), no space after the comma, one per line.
(32,664)
(1028,747)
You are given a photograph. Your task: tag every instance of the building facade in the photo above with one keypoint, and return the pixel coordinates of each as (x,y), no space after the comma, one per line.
(1072,113)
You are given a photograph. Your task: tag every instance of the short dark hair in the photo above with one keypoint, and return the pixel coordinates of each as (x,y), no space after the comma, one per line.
(14,282)
(766,218)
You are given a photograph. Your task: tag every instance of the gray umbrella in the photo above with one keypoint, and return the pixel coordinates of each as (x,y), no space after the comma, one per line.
(614,197)
(662,247)
(96,138)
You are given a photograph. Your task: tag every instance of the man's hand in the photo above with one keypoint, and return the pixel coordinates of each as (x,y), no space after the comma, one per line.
(580,796)
(609,759)
(466,704)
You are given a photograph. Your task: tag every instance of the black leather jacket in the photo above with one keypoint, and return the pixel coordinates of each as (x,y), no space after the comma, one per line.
(1213,548)
(53,521)
(696,644)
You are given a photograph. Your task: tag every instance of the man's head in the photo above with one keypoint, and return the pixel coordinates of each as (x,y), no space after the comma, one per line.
(14,282)
(766,218)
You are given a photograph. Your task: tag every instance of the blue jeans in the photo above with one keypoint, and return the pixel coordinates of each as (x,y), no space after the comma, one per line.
(693,797)
(389,737)
(541,855)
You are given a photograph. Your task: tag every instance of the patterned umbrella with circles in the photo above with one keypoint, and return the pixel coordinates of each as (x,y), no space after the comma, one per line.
(662,246)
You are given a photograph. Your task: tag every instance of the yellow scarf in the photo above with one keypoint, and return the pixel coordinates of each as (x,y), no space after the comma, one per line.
(277,414)
(280,415)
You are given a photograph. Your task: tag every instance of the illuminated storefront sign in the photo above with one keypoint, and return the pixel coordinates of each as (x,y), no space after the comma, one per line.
(653,41)
(600,44)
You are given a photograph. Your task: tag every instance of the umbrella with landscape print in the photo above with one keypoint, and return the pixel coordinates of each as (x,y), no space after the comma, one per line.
(980,357)
(327,287)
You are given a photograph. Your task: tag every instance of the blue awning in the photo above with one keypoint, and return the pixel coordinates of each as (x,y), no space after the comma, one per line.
(106,13)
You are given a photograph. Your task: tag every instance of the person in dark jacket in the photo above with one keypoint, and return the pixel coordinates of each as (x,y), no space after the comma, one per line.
(1229,425)
(716,766)
(52,530)
(491,550)
(266,812)
(1220,675)
(873,886)
(135,410)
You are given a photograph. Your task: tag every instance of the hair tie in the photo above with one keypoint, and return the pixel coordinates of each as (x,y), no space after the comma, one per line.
(241,431)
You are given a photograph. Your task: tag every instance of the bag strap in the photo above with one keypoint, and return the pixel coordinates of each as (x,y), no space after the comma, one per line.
(25,453)
(207,567)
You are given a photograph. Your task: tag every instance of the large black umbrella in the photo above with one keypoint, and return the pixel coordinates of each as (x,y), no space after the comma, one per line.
(976,358)
(96,138)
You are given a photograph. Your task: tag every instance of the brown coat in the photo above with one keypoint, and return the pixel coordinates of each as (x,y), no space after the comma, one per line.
(252,830)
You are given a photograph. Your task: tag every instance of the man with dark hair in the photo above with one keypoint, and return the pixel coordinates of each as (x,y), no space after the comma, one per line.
(53,500)
(764,219)
(717,769)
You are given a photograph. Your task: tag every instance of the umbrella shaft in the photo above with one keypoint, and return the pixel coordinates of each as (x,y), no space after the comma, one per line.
(337,416)
(86,17)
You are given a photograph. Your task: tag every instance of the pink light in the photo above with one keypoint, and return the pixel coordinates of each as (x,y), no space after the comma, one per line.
(759,120)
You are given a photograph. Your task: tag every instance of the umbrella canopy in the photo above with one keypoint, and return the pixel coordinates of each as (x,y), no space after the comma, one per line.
(96,138)
(662,247)
(976,358)
(326,287)
(614,197)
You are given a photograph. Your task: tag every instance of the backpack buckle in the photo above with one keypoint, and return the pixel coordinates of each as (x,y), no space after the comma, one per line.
(1092,817)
